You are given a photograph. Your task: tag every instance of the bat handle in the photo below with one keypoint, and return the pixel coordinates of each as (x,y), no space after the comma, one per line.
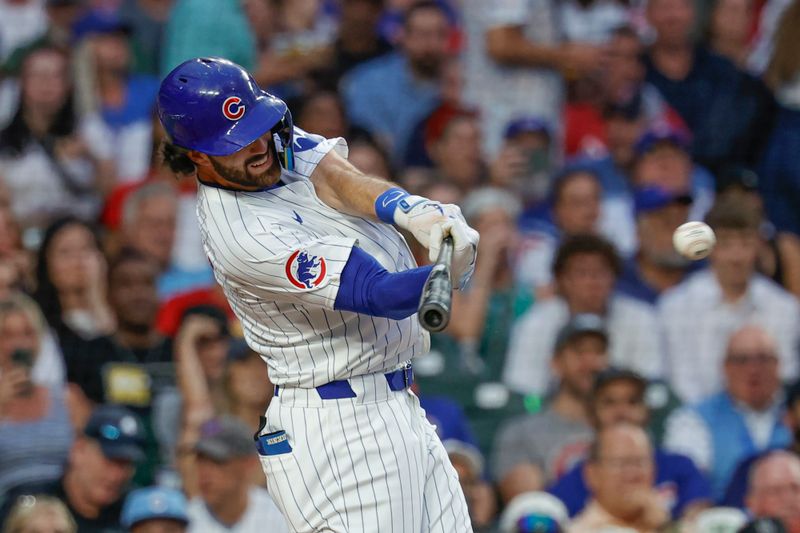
(434,310)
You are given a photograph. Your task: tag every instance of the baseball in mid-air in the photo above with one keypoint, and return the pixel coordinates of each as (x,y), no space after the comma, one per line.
(694,240)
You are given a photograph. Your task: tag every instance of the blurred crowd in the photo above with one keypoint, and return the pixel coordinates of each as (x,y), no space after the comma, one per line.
(591,378)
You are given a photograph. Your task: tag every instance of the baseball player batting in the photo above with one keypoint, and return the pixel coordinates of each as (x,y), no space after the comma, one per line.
(326,289)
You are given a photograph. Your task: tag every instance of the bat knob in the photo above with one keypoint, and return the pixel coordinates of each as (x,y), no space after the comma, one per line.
(433,318)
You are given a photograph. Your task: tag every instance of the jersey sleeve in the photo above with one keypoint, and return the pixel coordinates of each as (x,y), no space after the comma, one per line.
(309,149)
(282,266)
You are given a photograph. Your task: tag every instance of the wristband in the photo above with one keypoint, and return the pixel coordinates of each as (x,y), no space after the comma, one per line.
(386,203)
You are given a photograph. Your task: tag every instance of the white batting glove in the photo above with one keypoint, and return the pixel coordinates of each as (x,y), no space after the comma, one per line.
(430,222)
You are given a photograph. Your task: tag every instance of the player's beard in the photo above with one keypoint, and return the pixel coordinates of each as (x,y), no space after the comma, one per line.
(242,176)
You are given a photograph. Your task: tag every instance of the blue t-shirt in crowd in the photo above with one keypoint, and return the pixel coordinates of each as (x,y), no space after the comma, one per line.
(676,477)
(630,281)
(449,419)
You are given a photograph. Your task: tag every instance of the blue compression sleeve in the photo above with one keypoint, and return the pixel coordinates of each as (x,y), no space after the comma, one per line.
(366,287)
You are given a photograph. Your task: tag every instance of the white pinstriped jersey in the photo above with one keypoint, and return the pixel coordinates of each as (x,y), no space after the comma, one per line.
(278,255)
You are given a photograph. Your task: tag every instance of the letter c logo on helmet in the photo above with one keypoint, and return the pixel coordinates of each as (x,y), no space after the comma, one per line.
(232,108)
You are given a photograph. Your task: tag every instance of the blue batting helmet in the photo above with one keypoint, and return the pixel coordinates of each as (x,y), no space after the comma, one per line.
(214,106)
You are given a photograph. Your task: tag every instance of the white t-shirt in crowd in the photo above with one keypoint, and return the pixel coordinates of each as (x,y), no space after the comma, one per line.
(261,516)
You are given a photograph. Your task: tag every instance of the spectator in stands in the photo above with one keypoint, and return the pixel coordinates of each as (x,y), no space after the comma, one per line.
(618,396)
(574,209)
(620,472)
(389,95)
(779,251)
(485,313)
(71,281)
(585,269)
(740,480)
(724,108)
(657,266)
(622,92)
(469,465)
(539,448)
(780,171)
(525,161)
(102,366)
(149,226)
(453,141)
(298,45)
(357,39)
(155,510)
(133,366)
(534,511)
(207,28)
(123,102)
(247,384)
(699,314)
(729,30)
(35,430)
(743,418)
(369,157)
(514,60)
(46,147)
(148,21)
(322,112)
(100,466)
(227,499)
(663,160)
(774,489)
(37,514)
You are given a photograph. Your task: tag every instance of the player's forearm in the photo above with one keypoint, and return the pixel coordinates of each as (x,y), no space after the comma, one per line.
(366,287)
(345,188)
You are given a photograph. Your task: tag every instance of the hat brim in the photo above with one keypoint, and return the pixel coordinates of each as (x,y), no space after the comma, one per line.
(243,132)
(123,452)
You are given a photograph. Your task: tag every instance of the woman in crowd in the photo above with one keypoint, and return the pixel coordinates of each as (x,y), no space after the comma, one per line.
(70,280)
(35,430)
(45,159)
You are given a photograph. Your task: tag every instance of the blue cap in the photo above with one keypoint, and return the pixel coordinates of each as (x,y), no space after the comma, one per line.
(662,133)
(647,199)
(154,502)
(118,431)
(214,106)
(99,21)
(527,125)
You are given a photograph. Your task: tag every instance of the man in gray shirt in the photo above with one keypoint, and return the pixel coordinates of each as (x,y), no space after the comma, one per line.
(532,450)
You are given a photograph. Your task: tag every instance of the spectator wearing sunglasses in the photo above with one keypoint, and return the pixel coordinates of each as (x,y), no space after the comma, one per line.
(101,463)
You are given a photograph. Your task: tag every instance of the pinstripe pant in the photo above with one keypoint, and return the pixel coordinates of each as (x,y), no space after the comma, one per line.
(367,464)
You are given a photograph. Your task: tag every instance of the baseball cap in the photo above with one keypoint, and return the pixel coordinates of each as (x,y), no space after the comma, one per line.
(764,525)
(154,502)
(612,374)
(99,21)
(118,431)
(225,438)
(467,451)
(738,176)
(651,198)
(579,325)
(528,124)
(534,512)
(662,133)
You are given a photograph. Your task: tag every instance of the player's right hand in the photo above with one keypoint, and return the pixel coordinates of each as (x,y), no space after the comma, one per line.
(430,222)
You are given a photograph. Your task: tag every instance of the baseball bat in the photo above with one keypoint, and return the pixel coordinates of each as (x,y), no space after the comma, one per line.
(434,307)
